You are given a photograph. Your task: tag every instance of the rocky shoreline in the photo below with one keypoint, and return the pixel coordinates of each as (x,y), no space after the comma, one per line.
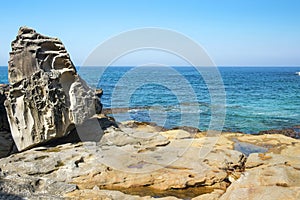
(56,144)
(293,132)
(136,160)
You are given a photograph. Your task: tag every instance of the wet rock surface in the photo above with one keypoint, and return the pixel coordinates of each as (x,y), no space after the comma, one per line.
(136,160)
(47,97)
(293,132)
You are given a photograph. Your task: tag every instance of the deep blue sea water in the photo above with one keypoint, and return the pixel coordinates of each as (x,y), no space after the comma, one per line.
(257,98)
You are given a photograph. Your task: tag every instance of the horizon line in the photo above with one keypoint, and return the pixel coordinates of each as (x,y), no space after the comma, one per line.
(183,66)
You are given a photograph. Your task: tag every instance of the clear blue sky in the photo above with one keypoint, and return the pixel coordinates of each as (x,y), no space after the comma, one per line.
(234,32)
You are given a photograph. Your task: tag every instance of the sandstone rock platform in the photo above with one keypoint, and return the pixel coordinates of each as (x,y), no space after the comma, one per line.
(141,161)
(46,99)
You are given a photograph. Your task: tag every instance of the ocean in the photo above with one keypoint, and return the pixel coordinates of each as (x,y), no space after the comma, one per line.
(257,98)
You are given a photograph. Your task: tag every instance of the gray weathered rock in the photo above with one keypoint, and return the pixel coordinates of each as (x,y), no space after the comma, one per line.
(47,97)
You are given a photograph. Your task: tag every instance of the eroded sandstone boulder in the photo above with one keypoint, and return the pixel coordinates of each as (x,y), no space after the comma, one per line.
(47,97)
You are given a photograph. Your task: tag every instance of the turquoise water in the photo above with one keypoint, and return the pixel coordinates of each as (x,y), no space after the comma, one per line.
(257,98)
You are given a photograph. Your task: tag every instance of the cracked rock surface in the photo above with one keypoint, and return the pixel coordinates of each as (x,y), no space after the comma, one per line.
(47,97)
(141,161)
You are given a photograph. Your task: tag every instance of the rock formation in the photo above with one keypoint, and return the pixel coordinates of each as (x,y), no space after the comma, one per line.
(140,161)
(290,132)
(6,141)
(47,98)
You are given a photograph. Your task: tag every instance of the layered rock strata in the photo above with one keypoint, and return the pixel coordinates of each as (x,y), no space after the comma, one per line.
(47,98)
(141,161)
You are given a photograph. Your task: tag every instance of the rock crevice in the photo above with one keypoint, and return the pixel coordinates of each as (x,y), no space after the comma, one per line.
(6,141)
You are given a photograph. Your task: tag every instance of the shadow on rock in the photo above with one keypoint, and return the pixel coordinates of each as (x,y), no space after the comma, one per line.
(91,130)
(9,190)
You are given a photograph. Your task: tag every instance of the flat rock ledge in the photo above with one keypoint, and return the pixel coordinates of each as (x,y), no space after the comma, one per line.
(141,161)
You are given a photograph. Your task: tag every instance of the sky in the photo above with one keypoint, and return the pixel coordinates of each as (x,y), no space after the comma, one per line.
(233,32)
